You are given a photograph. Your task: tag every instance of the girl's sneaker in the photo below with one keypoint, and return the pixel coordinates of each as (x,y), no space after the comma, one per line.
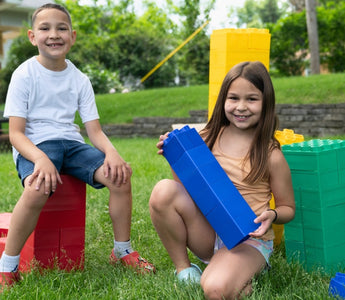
(135,261)
(190,275)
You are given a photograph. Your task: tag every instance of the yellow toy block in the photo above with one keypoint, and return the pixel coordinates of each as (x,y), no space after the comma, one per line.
(284,137)
(229,47)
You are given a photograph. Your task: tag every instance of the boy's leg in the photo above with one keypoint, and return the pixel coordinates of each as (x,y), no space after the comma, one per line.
(26,212)
(120,206)
(229,273)
(180,224)
(24,218)
(120,210)
(23,221)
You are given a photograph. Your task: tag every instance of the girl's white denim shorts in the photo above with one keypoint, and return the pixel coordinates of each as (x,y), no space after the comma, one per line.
(264,247)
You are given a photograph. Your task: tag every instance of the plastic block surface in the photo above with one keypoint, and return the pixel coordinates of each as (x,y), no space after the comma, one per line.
(209,186)
(337,286)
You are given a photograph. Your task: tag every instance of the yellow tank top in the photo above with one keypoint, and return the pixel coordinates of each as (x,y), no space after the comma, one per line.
(257,196)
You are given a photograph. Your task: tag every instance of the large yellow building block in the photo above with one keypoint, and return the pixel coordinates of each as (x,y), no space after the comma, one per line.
(229,47)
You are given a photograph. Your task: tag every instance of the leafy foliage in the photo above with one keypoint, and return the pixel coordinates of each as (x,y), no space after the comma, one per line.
(289,45)
(331,23)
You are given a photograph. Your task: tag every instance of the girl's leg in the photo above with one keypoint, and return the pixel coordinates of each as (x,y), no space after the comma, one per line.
(24,218)
(180,224)
(229,273)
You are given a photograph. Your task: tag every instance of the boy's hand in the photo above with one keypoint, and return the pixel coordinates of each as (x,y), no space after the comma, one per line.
(116,168)
(160,144)
(46,172)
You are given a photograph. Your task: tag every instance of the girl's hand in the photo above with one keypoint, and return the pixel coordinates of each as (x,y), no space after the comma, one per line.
(266,219)
(160,144)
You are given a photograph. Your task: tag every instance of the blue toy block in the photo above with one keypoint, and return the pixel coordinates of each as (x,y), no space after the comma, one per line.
(209,186)
(337,286)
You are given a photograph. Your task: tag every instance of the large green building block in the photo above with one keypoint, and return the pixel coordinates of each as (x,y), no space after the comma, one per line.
(316,237)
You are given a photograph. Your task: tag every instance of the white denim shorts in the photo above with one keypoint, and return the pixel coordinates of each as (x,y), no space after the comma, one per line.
(264,247)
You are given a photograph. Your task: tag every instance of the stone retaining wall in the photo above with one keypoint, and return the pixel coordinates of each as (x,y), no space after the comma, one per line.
(313,120)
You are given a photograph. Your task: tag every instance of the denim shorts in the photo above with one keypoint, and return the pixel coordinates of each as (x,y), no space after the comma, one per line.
(69,157)
(264,247)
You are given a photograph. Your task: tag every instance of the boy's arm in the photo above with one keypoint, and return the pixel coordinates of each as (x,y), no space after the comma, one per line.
(114,166)
(44,169)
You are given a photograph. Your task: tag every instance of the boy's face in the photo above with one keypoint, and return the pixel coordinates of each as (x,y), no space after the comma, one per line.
(52,34)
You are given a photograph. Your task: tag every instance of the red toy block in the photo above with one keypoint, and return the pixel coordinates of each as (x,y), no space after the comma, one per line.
(59,237)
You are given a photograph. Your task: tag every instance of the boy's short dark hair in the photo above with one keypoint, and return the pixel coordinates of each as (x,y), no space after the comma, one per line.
(50,6)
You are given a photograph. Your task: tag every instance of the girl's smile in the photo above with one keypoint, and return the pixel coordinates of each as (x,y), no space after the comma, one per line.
(243,104)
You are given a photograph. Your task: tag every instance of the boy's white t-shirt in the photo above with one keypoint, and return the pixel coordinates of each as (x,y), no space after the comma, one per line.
(48,100)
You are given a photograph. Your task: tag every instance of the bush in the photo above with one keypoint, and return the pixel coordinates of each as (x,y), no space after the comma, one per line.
(103,80)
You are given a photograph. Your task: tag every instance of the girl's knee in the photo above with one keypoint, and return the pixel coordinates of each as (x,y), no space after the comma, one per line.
(217,289)
(161,194)
(212,289)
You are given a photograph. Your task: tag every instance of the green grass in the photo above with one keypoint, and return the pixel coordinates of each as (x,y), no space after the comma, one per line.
(99,280)
(178,101)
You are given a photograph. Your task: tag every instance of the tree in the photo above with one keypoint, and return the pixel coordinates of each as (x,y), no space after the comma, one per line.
(313,36)
(331,24)
(289,45)
(193,58)
(259,13)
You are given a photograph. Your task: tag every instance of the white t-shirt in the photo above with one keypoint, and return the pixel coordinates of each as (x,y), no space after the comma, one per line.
(48,100)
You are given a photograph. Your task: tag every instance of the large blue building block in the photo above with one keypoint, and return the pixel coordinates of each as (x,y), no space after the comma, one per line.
(337,286)
(209,186)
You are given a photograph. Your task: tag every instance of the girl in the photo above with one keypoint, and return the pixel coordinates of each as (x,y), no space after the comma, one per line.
(240,134)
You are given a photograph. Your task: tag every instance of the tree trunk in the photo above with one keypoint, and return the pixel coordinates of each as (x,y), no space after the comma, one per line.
(313,36)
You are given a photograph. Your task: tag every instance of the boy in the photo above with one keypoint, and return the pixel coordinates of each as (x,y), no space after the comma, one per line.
(43,96)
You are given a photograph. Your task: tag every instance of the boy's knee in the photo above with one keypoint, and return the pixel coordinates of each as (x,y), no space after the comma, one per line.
(124,188)
(34,199)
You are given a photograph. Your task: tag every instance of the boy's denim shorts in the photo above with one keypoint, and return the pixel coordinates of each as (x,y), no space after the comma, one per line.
(69,157)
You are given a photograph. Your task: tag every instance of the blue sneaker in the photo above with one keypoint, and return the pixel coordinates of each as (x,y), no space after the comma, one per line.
(190,275)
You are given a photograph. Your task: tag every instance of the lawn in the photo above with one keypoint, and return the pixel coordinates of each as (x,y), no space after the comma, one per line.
(99,280)
(178,101)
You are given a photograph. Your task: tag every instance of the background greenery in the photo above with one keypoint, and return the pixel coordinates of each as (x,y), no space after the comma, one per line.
(116,47)
(178,101)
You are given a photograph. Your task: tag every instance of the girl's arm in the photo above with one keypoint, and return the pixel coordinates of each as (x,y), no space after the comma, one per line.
(281,186)
(114,166)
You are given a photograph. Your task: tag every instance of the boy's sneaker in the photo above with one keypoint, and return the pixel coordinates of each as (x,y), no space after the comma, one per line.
(135,261)
(7,279)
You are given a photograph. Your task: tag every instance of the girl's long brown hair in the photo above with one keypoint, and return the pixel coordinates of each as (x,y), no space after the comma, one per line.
(264,140)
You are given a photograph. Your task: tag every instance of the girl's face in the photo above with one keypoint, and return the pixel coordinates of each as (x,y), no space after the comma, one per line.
(243,104)
(53,36)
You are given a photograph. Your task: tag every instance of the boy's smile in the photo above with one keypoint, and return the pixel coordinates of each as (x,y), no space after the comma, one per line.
(53,36)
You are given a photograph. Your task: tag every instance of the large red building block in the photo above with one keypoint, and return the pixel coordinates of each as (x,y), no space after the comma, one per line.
(59,237)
